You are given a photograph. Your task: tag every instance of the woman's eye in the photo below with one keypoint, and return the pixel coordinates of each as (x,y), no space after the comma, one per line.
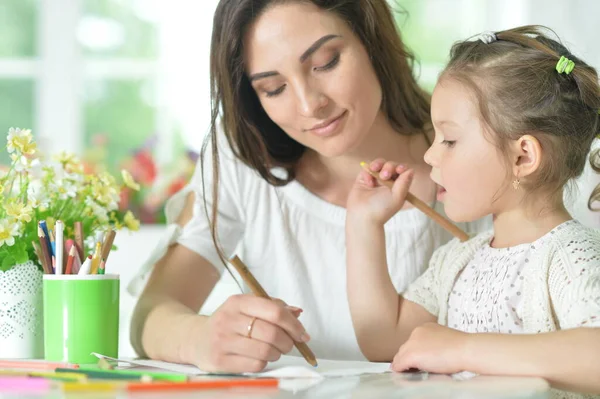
(275,92)
(330,64)
(449,143)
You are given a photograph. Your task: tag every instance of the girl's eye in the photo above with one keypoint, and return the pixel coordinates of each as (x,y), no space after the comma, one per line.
(275,92)
(330,64)
(449,143)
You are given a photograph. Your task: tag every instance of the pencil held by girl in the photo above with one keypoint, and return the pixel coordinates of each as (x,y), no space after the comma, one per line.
(514,115)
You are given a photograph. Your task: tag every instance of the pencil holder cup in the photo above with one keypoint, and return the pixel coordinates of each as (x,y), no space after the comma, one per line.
(21,314)
(81,316)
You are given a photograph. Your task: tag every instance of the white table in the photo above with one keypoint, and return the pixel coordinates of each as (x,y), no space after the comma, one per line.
(367,386)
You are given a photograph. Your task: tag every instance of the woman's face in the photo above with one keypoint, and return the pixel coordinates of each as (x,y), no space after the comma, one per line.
(313,77)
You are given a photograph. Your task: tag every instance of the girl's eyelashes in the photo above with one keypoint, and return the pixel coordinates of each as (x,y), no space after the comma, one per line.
(330,65)
(449,143)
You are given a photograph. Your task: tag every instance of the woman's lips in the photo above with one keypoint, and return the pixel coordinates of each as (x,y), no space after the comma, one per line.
(331,127)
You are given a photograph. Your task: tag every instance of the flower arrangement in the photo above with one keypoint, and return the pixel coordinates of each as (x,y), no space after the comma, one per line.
(35,188)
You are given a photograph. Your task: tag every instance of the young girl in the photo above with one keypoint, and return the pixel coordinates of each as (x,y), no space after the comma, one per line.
(514,115)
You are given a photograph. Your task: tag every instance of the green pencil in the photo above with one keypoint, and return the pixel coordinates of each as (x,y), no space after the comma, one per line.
(126,374)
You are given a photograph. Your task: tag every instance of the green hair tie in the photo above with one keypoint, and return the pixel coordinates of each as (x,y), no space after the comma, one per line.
(564,65)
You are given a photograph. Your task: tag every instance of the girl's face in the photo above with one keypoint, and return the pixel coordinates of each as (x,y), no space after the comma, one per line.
(471,173)
(313,77)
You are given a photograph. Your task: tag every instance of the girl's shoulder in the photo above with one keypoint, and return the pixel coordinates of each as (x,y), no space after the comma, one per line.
(574,246)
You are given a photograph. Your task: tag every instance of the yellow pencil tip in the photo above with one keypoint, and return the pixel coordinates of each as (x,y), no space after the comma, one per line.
(363,163)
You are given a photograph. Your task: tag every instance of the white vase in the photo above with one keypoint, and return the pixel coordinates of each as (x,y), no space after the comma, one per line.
(21,313)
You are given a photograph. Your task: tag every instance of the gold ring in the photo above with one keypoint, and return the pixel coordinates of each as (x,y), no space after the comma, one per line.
(250,327)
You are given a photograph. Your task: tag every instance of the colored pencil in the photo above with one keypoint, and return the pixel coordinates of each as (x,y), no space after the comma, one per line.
(23,384)
(102,267)
(79,239)
(59,229)
(208,384)
(126,374)
(258,290)
(45,260)
(96,259)
(35,365)
(70,260)
(107,244)
(86,267)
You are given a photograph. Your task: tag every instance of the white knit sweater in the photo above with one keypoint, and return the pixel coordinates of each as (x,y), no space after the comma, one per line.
(561,287)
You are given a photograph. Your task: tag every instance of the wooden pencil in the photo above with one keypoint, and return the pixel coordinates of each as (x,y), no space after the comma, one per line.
(70,259)
(259,291)
(45,260)
(107,244)
(79,239)
(423,207)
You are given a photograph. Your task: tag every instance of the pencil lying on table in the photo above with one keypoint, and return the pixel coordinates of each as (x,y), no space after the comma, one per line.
(423,207)
(258,290)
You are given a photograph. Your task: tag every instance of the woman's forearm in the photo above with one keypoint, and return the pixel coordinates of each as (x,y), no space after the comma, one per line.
(165,329)
(567,359)
(374,302)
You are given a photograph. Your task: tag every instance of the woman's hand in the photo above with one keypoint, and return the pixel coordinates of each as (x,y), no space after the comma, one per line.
(434,348)
(229,347)
(369,200)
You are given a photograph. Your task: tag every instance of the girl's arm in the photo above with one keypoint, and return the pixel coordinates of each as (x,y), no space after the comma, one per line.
(567,359)
(382,319)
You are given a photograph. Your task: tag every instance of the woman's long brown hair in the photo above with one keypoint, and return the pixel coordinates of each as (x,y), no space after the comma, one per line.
(236,110)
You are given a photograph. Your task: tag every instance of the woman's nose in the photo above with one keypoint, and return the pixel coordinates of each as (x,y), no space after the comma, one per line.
(311,101)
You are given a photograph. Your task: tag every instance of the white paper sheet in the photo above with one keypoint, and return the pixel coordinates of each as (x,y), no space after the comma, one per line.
(286,367)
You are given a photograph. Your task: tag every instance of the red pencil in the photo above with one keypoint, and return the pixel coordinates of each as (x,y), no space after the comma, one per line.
(209,384)
(70,260)
(35,365)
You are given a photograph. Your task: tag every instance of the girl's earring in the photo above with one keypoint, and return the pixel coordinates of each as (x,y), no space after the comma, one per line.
(516,183)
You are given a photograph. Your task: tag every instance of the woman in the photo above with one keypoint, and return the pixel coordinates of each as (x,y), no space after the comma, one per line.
(304,91)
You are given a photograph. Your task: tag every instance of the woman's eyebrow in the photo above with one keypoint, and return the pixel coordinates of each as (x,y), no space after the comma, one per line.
(311,50)
(316,45)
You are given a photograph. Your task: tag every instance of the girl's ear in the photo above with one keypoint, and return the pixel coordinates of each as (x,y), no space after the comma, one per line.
(526,156)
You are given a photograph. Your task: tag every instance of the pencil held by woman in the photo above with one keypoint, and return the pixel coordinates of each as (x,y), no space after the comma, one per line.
(258,290)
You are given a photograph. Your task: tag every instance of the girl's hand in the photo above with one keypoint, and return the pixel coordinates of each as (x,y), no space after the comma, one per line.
(434,348)
(369,200)
(228,348)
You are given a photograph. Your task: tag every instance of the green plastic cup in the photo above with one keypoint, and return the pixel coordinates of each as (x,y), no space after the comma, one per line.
(81,316)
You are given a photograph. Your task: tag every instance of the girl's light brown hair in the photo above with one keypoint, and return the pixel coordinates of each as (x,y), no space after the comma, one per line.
(236,110)
(519,91)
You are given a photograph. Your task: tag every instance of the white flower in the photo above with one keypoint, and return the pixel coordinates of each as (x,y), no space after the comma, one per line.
(37,195)
(21,141)
(99,211)
(21,162)
(65,188)
(8,231)
(36,169)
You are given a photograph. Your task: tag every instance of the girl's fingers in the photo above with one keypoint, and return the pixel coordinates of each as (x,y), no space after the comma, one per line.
(402,184)
(376,165)
(366,179)
(388,171)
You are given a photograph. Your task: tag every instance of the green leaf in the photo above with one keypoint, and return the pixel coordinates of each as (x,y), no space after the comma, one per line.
(21,255)
(7,263)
